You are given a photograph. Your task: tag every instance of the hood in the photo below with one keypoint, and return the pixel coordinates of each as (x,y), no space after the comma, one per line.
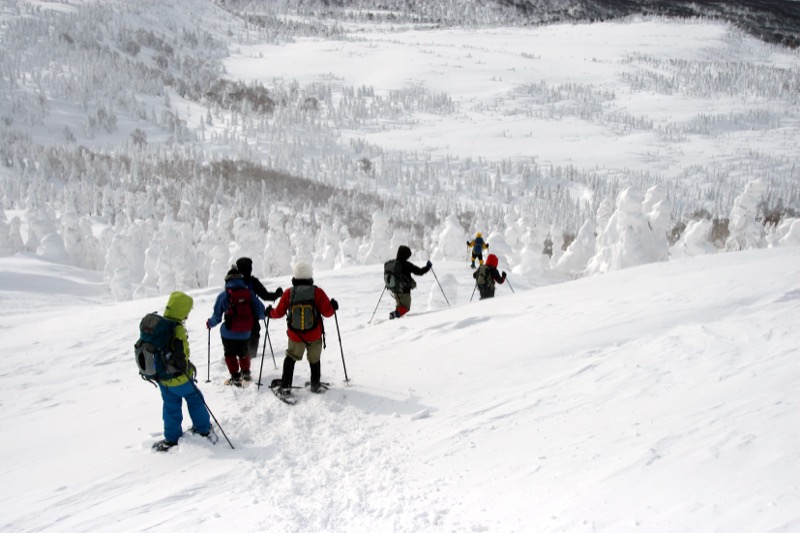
(492,260)
(235,283)
(403,253)
(178,306)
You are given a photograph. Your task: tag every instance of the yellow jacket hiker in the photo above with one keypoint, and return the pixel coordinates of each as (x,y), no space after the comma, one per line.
(179,388)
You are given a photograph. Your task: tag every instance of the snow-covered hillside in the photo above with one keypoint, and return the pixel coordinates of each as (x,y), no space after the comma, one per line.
(660,398)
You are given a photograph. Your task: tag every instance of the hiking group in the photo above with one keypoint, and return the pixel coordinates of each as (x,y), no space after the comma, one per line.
(162,351)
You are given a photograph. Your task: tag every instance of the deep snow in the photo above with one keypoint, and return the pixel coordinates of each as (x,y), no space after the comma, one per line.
(658,398)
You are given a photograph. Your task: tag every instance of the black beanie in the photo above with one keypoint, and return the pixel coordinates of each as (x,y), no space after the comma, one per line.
(245,266)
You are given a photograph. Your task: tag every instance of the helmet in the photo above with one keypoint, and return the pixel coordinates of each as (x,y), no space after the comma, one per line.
(479,235)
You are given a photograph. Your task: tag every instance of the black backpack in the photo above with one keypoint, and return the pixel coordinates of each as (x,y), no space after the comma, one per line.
(153,350)
(303,315)
(394,278)
(484,277)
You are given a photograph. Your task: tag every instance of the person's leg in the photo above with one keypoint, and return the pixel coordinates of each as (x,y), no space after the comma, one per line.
(232,348)
(172,413)
(294,353)
(314,356)
(201,421)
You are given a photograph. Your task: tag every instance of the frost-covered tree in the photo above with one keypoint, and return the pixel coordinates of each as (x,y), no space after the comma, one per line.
(449,240)
(326,246)
(695,240)
(124,264)
(745,231)
(248,240)
(79,241)
(657,209)
(500,248)
(789,232)
(379,247)
(277,253)
(51,248)
(627,239)
(576,257)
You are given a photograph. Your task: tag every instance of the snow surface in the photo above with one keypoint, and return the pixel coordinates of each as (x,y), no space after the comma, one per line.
(658,398)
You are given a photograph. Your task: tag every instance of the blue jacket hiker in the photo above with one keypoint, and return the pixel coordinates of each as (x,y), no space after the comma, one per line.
(245,266)
(478,245)
(238,309)
(179,388)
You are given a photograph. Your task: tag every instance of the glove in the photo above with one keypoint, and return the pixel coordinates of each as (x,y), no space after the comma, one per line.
(429,265)
(487,245)
(467,243)
(334,304)
(268,310)
(208,324)
(279,292)
(504,274)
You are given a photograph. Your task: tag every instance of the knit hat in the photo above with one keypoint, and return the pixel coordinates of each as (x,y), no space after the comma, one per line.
(245,266)
(492,260)
(233,273)
(303,270)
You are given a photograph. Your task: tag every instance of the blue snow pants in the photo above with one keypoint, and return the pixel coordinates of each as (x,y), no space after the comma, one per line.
(173,410)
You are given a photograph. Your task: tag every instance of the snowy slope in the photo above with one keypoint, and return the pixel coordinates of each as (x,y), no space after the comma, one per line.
(658,398)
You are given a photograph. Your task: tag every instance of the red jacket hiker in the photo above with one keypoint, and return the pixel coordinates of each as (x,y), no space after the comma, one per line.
(309,341)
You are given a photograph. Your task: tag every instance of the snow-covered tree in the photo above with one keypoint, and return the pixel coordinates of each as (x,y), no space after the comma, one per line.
(627,239)
(694,240)
(449,240)
(379,248)
(745,231)
(576,257)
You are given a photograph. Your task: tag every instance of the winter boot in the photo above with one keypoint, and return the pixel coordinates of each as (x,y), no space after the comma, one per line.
(316,371)
(210,434)
(164,445)
(288,374)
(235,380)
(247,376)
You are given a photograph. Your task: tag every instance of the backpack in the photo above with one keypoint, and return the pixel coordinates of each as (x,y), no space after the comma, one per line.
(303,314)
(153,350)
(240,315)
(484,277)
(394,279)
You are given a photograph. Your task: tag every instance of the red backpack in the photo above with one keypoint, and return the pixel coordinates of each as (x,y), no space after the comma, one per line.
(240,315)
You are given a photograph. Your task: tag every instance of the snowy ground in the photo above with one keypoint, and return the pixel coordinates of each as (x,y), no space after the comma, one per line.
(658,398)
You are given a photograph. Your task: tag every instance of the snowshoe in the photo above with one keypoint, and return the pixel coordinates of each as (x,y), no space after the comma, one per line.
(164,445)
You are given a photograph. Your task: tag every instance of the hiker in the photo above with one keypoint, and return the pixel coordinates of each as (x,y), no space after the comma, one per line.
(487,275)
(245,266)
(179,388)
(405,284)
(304,305)
(478,246)
(237,308)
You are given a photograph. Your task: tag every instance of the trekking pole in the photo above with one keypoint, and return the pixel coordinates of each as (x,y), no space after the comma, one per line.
(208,379)
(336,317)
(271,350)
(440,286)
(473,291)
(264,348)
(264,352)
(509,284)
(376,306)
(209,410)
